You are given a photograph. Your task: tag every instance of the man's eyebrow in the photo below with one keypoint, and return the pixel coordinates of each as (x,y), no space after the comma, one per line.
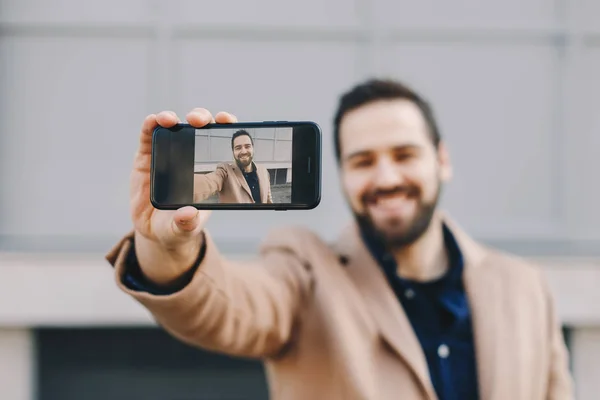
(359,153)
(410,146)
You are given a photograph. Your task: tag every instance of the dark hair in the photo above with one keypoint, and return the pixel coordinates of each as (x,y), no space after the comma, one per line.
(239,133)
(381,89)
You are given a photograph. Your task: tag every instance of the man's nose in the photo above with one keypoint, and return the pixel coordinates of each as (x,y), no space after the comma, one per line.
(387,175)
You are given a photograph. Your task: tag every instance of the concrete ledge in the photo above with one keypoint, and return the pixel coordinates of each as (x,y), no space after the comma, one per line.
(79,290)
(64,290)
(92,245)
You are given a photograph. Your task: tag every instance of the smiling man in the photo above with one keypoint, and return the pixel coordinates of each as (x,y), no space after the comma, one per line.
(405,305)
(242,181)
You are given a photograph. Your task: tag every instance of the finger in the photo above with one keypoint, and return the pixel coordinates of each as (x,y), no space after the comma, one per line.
(167,119)
(164,118)
(199,117)
(148,127)
(225,118)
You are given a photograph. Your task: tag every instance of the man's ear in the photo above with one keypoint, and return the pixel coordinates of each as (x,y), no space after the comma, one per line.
(446,171)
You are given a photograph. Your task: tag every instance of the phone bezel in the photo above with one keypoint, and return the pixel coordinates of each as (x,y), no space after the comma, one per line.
(315,155)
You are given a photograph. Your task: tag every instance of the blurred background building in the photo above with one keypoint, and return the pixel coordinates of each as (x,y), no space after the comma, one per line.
(272,149)
(514,84)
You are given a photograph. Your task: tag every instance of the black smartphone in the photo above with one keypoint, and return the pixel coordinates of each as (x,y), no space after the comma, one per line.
(273,165)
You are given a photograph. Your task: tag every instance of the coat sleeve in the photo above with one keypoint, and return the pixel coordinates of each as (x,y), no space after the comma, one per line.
(205,185)
(245,309)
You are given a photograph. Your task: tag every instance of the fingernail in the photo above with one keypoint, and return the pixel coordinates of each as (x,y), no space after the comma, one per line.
(186,222)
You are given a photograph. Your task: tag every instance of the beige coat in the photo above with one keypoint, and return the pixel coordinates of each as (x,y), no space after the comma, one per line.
(329,327)
(229,182)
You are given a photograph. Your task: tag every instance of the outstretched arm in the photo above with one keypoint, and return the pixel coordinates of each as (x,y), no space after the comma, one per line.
(241,309)
(170,265)
(205,185)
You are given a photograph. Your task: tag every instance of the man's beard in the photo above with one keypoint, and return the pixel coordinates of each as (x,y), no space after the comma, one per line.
(394,236)
(244,164)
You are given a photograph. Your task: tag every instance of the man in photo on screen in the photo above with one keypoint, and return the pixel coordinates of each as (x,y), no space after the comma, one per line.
(240,181)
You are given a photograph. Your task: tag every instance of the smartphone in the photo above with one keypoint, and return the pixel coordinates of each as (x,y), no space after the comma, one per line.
(271,165)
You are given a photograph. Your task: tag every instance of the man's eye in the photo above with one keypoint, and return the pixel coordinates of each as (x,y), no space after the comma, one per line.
(362,163)
(404,156)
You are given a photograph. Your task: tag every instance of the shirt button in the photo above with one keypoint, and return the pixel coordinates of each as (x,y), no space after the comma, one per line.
(443,351)
(409,293)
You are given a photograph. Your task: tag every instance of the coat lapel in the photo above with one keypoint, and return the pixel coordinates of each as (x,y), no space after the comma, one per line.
(241,179)
(383,306)
(487,322)
(488,319)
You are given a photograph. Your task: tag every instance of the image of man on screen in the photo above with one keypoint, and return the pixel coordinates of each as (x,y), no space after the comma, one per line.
(241,181)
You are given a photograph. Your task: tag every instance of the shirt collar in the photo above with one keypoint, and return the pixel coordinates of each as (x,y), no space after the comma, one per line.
(452,278)
(247,173)
(447,291)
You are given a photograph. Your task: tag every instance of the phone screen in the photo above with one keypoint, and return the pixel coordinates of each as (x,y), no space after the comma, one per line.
(260,165)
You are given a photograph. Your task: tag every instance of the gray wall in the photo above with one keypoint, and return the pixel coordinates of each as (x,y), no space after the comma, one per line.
(514,83)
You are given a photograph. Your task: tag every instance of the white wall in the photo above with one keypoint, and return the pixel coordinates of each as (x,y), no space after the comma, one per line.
(512,82)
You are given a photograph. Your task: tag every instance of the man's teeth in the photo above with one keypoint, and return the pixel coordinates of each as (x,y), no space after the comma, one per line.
(390,199)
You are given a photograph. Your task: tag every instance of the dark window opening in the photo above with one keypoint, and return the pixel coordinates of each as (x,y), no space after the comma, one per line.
(278,176)
(149,364)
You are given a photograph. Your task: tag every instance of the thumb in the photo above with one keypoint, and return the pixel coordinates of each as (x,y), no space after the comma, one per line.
(188,221)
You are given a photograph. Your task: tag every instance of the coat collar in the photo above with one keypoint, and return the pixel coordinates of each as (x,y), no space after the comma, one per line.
(263,181)
(261,172)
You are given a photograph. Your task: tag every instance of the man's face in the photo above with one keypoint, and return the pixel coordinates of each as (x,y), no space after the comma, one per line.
(391,171)
(243,151)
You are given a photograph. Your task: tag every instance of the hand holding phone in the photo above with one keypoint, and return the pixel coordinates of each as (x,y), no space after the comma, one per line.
(167,241)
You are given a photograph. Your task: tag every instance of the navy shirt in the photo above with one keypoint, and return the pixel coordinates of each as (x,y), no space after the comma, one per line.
(439,314)
(252,180)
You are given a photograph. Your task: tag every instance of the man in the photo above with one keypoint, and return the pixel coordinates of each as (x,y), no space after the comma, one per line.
(405,305)
(242,182)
